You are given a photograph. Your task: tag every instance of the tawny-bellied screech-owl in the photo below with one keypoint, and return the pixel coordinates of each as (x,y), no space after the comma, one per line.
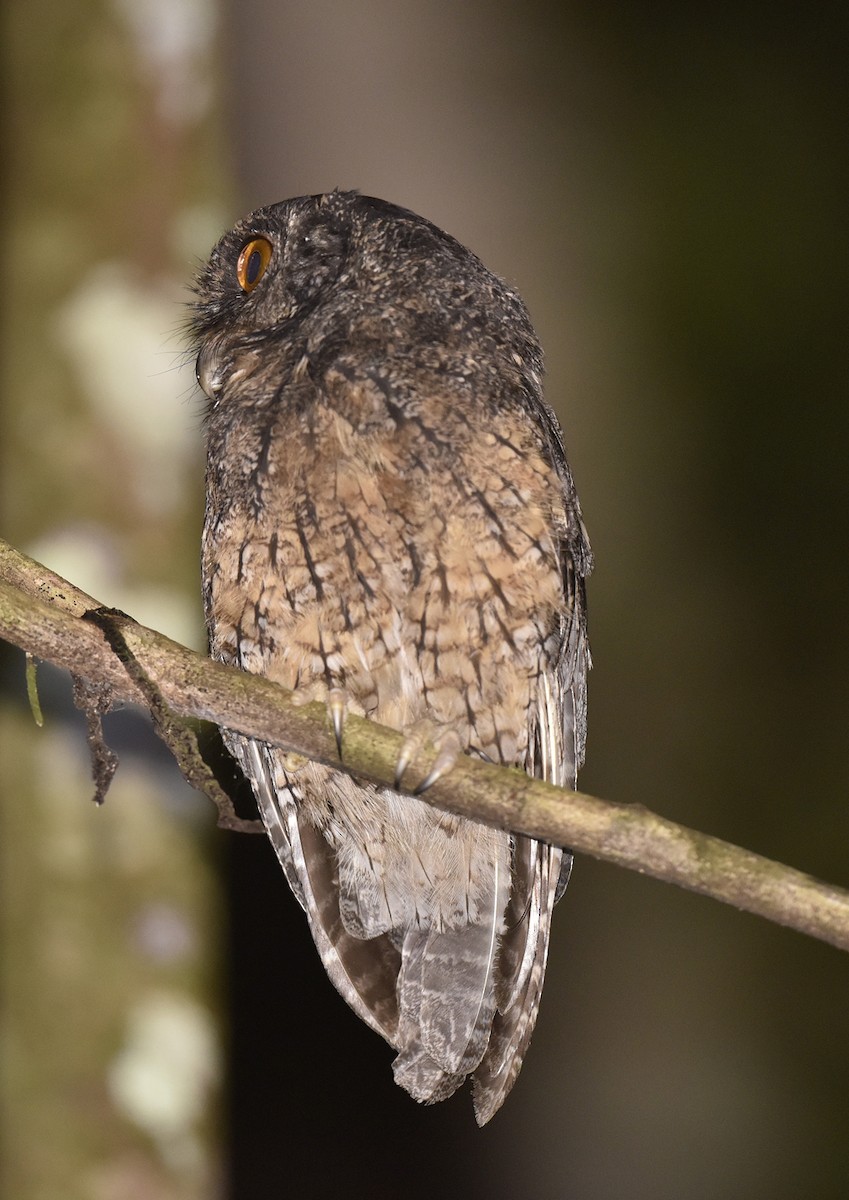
(391,527)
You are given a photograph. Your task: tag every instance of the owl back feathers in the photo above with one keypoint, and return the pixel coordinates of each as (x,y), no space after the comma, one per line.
(391,516)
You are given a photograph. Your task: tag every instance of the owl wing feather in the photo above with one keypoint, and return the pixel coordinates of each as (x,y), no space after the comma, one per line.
(540,872)
(365,972)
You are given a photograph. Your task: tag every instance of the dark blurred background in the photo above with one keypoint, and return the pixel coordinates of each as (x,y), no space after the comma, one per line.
(667,185)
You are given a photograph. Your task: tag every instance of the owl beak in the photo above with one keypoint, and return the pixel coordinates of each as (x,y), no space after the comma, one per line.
(209,371)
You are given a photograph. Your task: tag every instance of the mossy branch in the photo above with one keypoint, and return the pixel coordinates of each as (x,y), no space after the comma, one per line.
(43,614)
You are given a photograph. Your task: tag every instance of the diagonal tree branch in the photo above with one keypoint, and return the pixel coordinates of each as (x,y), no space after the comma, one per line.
(43,614)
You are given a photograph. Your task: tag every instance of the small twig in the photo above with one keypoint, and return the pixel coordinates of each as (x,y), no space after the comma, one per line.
(175,731)
(95,700)
(32,691)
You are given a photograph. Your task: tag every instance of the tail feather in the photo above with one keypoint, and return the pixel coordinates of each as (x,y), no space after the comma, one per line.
(457,1000)
(512,1029)
(364,972)
(415,1069)
(446,993)
(521,920)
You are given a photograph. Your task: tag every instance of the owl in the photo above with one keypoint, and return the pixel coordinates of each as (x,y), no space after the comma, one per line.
(392,528)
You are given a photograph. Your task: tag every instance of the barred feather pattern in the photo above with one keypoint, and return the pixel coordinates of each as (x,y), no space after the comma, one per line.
(390,516)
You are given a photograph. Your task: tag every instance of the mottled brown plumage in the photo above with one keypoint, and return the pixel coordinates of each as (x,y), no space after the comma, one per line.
(392,527)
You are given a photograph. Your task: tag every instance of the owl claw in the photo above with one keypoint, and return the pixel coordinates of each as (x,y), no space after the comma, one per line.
(337,704)
(447,743)
(448,749)
(412,743)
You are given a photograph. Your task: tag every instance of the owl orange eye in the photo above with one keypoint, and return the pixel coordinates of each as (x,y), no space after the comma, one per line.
(253,263)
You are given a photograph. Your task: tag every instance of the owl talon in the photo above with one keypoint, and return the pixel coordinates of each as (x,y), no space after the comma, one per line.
(448,747)
(412,744)
(447,743)
(337,704)
(415,739)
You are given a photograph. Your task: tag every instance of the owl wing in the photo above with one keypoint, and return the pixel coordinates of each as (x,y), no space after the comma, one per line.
(364,972)
(540,871)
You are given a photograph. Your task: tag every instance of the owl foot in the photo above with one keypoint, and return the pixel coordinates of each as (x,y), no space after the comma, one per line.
(448,751)
(448,747)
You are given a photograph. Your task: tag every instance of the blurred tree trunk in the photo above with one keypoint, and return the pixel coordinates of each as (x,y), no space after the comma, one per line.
(109,918)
